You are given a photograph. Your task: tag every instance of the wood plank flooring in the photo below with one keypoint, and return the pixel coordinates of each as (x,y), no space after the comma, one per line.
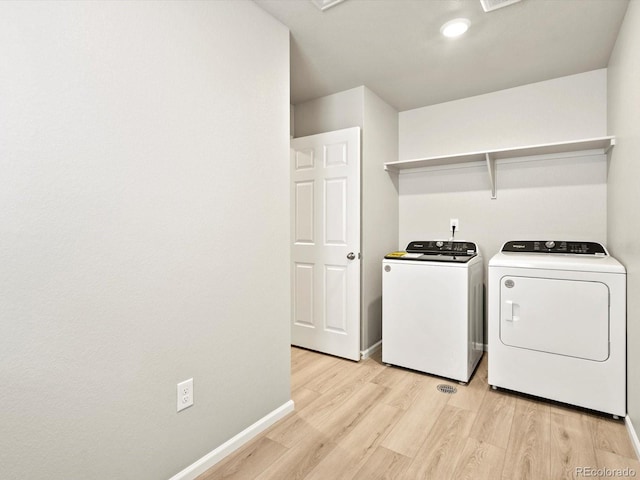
(367,421)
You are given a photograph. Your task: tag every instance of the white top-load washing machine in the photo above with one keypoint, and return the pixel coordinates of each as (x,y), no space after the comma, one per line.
(557,323)
(432,308)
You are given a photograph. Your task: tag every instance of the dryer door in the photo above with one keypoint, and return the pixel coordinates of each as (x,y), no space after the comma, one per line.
(563,317)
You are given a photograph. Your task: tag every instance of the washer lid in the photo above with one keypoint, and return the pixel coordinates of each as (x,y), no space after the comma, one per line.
(429,257)
(437,251)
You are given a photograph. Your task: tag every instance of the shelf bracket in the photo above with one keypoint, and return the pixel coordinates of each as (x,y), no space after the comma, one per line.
(612,142)
(491,167)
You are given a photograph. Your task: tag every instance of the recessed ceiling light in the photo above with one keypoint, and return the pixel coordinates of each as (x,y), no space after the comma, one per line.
(455,27)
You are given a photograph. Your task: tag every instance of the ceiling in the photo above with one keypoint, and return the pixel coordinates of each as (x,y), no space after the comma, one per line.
(394,47)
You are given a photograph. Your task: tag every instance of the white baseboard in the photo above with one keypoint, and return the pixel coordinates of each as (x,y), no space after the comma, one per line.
(210,459)
(633,436)
(371,350)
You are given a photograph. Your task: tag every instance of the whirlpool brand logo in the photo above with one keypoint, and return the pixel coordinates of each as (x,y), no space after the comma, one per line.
(517,245)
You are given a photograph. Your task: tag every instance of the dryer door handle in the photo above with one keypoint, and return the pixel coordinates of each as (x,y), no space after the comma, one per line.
(509,311)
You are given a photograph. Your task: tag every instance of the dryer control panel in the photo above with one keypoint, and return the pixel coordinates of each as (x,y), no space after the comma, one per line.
(554,246)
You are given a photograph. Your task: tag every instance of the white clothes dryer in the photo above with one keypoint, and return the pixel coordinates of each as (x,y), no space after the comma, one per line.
(432,308)
(557,323)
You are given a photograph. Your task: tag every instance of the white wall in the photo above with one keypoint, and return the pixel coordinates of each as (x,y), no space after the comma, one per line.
(555,198)
(143,232)
(624,195)
(333,112)
(558,198)
(567,108)
(379,207)
(563,197)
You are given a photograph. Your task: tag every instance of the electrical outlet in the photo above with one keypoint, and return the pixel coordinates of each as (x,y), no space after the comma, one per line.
(453,222)
(185,394)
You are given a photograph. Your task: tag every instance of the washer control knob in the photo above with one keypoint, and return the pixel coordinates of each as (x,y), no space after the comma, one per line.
(439,243)
(550,244)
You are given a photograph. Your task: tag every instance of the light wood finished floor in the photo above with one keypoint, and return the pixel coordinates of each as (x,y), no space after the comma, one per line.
(367,421)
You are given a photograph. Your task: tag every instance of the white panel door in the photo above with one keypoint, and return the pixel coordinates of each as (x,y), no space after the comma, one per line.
(325,215)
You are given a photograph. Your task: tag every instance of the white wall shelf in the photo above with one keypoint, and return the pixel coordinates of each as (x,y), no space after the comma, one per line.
(599,144)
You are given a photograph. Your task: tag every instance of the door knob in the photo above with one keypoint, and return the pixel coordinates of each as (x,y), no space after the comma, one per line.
(351,255)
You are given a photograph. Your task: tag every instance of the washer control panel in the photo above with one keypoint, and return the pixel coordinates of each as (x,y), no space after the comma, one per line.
(442,247)
(551,246)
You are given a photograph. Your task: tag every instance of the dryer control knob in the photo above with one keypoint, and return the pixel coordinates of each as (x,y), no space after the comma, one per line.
(439,244)
(550,244)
